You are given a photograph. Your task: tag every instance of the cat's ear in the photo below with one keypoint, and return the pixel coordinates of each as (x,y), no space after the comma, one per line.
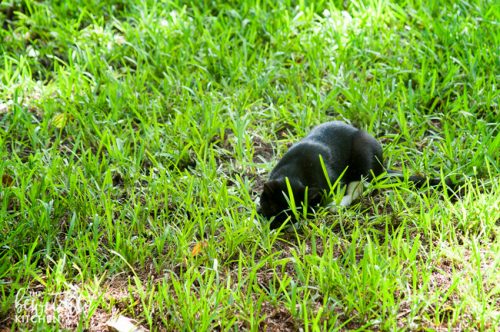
(314,196)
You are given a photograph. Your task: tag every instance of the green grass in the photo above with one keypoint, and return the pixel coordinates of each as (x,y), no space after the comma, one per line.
(135,137)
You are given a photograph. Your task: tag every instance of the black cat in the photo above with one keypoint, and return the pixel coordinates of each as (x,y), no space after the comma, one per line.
(346,151)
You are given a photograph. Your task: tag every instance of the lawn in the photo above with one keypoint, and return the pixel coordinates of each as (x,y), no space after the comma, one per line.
(135,137)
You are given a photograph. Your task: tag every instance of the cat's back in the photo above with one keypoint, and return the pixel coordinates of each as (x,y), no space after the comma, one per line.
(336,132)
(332,140)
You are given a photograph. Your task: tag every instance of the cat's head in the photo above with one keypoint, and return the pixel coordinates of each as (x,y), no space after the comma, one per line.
(274,201)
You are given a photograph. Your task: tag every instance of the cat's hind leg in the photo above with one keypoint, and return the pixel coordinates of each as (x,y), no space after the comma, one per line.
(354,191)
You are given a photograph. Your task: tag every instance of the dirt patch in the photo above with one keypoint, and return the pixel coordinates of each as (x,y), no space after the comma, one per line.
(278,319)
(263,151)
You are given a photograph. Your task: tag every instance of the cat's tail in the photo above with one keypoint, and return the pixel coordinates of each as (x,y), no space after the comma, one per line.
(453,189)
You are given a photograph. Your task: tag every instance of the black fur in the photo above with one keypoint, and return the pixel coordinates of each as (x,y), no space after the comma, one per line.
(341,146)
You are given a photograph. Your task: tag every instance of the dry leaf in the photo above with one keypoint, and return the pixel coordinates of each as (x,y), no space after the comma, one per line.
(198,248)
(7,180)
(124,324)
